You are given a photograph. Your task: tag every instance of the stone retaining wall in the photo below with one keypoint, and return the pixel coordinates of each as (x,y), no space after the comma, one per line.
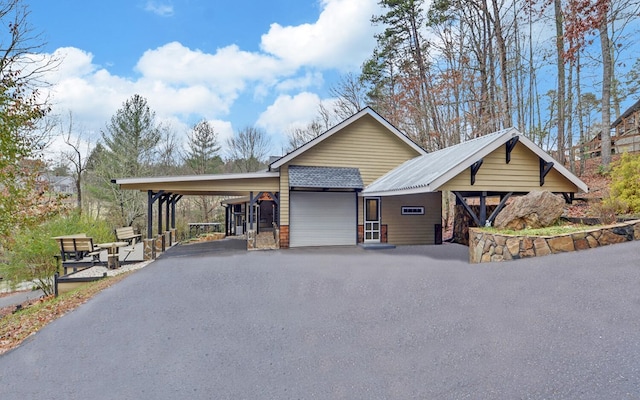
(488,247)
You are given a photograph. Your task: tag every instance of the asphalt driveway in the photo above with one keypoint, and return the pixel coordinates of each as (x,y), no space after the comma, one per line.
(345,323)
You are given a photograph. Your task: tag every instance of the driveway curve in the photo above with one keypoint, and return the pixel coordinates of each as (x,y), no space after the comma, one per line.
(345,323)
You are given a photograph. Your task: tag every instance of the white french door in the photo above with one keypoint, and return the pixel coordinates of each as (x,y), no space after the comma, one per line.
(372,219)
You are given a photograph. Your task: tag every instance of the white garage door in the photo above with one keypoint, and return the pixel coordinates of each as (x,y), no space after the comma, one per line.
(322,219)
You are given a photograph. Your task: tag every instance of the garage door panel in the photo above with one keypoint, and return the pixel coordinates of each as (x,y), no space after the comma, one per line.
(322,219)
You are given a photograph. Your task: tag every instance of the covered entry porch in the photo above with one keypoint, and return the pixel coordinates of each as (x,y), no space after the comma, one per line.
(163,193)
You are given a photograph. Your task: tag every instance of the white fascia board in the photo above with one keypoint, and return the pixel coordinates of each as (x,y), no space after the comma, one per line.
(365,111)
(472,158)
(196,178)
(402,192)
(559,167)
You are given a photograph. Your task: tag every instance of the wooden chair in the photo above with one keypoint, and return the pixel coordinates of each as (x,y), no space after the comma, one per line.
(75,248)
(127,234)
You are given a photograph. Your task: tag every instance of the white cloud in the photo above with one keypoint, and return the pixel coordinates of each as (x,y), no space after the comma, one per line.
(227,72)
(184,85)
(163,10)
(341,38)
(288,112)
(310,79)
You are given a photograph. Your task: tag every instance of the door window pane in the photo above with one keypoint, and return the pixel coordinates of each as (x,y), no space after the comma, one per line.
(372,209)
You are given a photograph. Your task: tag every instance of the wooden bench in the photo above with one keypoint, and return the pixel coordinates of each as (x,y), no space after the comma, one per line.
(127,234)
(75,248)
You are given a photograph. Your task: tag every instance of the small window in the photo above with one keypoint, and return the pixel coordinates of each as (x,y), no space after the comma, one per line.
(412,210)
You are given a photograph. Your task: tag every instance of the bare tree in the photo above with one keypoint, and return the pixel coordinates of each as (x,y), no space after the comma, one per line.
(561,98)
(248,149)
(21,56)
(301,135)
(77,159)
(350,96)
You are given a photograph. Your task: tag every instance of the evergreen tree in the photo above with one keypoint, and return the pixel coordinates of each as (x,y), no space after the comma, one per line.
(202,153)
(129,150)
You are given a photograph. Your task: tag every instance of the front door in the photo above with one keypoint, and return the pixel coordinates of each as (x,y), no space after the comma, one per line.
(372,219)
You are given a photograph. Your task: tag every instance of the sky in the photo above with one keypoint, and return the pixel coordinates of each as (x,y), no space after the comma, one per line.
(258,63)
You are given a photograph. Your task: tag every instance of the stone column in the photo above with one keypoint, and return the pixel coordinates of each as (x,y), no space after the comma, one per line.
(149,249)
(251,239)
(159,244)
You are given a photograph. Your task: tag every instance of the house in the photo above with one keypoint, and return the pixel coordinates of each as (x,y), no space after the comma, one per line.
(627,130)
(59,184)
(364,181)
(625,138)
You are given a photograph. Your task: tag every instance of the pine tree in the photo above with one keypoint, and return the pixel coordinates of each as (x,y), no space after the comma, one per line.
(202,153)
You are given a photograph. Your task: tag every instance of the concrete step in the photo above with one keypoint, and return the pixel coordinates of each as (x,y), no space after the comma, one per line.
(265,240)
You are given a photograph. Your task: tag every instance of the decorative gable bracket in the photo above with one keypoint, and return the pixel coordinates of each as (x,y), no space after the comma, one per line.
(510,146)
(474,170)
(545,167)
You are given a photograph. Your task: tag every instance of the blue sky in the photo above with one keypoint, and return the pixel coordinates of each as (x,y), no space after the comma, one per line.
(236,64)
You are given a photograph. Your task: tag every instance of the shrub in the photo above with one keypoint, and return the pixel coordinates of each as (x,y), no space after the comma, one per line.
(606,211)
(30,253)
(625,185)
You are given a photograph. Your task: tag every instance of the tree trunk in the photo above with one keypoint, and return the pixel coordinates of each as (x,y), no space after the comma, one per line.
(79,194)
(580,110)
(504,77)
(570,118)
(605,46)
(561,79)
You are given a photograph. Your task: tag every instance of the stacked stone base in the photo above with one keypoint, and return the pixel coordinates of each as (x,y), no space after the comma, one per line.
(490,247)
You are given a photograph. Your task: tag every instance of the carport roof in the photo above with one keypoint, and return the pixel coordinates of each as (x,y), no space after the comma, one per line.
(427,173)
(219,184)
(325,177)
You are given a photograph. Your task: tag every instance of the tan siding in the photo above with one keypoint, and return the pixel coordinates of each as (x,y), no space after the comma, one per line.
(522,174)
(412,229)
(284,195)
(365,144)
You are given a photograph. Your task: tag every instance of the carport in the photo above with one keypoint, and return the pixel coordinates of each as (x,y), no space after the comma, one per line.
(165,192)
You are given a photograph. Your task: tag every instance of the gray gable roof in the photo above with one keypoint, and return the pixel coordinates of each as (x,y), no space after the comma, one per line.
(325,177)
(428,172)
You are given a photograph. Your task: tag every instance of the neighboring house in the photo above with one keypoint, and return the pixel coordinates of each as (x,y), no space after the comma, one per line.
(626,136)
(63,184)
(627,130)
(365,181)
(58,184)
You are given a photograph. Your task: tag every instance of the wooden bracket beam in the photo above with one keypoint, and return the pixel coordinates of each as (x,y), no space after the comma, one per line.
(474,170)
(274,198)
(568,197)
(495,212)
(510,146)
(469,210)
(545,167)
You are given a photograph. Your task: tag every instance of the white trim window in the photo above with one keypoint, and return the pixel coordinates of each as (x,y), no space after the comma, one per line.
(412,210)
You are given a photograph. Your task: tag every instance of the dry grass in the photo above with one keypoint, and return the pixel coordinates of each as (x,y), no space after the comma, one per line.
(16,327)
(555,230)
